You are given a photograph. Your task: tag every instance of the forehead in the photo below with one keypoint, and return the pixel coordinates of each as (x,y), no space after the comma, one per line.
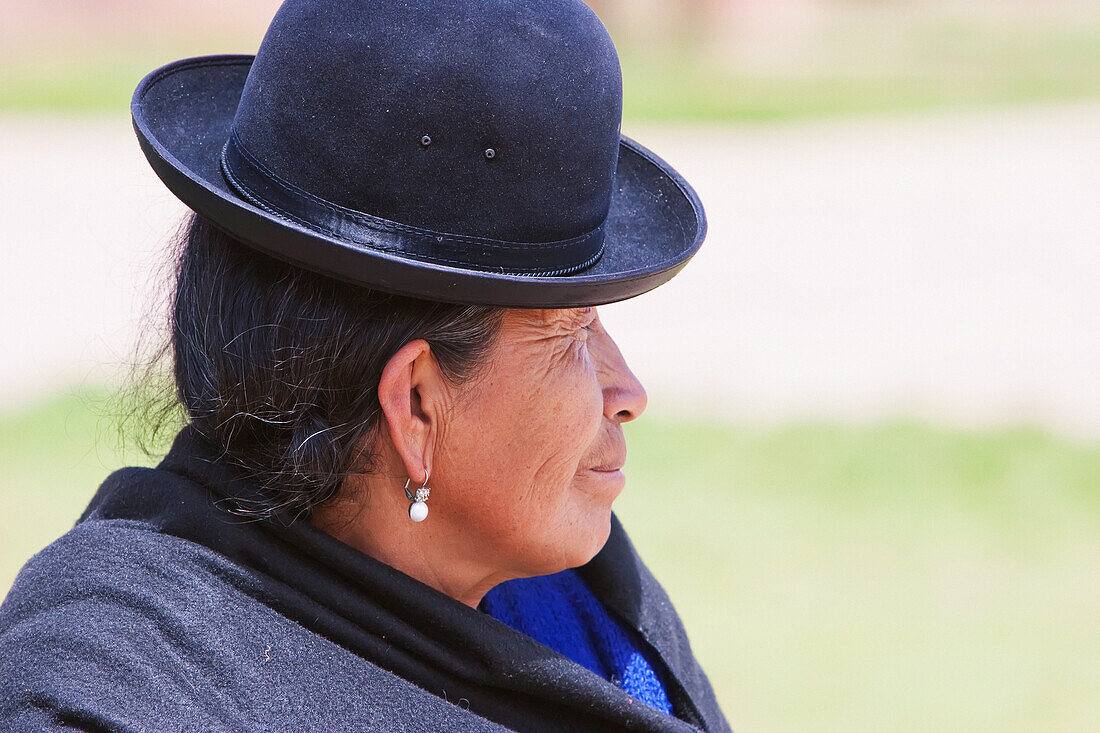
(547,318)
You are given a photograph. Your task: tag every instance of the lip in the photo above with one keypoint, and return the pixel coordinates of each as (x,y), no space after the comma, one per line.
(613,479)
(611,459)
(613,463)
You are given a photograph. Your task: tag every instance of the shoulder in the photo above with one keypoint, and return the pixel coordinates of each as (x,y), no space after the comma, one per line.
(118,626)
(125,569)
(91,623)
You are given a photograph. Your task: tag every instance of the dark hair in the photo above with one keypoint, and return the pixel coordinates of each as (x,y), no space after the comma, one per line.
(278,367)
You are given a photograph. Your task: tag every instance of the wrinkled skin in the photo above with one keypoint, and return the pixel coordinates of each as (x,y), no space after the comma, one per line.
(524,461)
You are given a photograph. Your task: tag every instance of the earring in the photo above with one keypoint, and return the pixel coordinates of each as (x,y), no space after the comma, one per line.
(418,509)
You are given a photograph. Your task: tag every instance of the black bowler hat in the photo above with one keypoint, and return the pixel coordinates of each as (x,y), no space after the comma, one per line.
(465,151)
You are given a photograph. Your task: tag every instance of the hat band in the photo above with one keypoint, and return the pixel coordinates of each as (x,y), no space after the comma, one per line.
(264,189)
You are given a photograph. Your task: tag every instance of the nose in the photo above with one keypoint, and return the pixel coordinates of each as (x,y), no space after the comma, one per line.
(624,397)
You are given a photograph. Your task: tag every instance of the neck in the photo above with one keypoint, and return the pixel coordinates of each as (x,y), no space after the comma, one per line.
(373,517)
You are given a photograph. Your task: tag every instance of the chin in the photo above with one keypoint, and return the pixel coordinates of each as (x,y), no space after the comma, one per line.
(563,549)
(588,545)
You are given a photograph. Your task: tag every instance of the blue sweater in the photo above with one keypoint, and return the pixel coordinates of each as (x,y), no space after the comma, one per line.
(559,611)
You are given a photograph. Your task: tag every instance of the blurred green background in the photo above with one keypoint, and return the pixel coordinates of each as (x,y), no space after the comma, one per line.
(730,60)
(881,575)
(891,577)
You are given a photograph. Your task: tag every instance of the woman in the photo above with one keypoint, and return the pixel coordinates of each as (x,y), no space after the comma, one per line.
(390,507)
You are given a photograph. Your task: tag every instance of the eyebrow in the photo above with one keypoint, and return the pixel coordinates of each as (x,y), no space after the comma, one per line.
(569,317)
(584,314)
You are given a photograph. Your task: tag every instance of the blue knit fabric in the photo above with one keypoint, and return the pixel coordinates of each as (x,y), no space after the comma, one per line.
(559,611)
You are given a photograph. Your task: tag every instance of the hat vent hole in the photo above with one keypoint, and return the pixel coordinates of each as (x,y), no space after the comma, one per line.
(490,154)
(426,141)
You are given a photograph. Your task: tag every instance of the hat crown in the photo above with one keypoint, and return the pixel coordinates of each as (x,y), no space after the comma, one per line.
(495,119)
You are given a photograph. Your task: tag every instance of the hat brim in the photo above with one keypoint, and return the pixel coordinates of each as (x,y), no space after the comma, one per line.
(183,112)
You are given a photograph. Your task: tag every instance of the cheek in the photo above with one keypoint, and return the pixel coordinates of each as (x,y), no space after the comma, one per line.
(571,411)
(537,438)
(513,458)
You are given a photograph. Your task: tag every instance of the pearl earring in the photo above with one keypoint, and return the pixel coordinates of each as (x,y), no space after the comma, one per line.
(418,509)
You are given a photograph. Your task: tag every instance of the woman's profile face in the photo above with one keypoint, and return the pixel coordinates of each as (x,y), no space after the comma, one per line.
(531,458)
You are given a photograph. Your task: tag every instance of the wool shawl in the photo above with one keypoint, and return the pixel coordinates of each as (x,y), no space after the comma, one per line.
(161,610)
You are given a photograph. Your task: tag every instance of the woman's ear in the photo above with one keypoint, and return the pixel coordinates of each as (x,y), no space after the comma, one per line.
(412,393)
